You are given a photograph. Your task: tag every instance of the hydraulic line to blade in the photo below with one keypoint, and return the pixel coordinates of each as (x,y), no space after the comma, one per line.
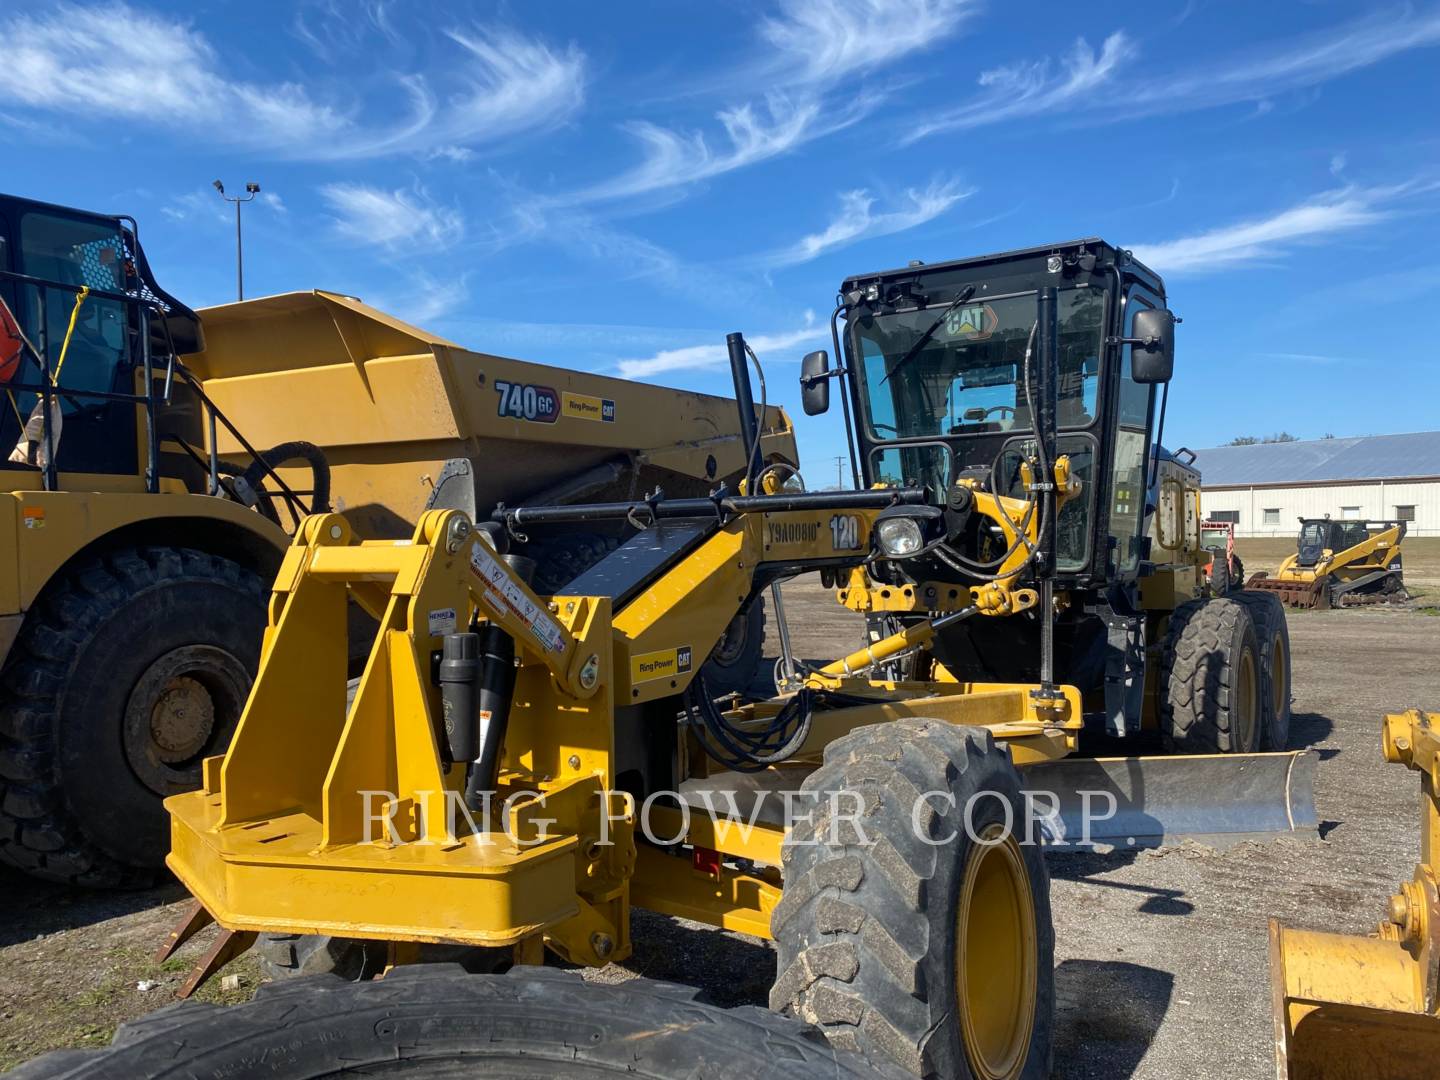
(912,637)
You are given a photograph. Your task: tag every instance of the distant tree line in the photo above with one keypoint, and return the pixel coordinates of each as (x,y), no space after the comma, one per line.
(1255,440)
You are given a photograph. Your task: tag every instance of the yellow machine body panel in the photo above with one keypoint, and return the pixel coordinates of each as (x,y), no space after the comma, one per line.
(1347,1007)
(391,405)
(41,531)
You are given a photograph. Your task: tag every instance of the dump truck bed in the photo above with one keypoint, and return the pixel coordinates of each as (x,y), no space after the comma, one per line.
(401,412)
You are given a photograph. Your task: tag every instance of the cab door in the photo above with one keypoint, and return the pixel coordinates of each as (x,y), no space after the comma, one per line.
(1133,405)
(68,251)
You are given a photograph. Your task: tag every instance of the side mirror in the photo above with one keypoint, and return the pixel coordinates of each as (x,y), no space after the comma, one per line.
(815,382)
(1152,348)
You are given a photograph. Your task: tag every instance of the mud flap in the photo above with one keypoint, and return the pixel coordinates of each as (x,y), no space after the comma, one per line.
(1103,804)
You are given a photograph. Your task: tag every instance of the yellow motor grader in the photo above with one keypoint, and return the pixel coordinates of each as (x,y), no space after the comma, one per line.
(516,771)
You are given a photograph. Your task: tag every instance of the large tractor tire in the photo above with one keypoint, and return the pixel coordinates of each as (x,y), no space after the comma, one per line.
(439,1022)
(735,662)
(1211,677)
(1272,633)
(903,934)
(129,671)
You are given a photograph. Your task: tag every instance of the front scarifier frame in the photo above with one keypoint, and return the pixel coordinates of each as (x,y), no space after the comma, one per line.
(323,819)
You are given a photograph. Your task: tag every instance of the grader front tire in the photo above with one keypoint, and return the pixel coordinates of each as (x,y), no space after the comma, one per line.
(900,935)
(435,1022)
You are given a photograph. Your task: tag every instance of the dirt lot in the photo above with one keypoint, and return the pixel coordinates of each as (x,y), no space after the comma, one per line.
(1162,968)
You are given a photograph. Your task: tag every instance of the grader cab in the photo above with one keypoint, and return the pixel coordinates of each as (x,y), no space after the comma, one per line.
(516,771)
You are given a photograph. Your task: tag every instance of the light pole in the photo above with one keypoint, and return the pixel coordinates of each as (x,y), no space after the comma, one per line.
(251,191)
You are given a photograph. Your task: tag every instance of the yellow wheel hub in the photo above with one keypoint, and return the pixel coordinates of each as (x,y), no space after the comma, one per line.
(996,955)
(1247,713)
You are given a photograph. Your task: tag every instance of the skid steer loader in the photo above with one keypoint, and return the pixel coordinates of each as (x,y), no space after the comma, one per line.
(516,771)
(140,529)
(1349,1007)
(1340,564)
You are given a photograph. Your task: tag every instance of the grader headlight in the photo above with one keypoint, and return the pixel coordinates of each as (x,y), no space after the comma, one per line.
(899,537)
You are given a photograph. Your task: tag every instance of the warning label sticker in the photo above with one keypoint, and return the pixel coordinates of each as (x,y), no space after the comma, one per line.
(504,593)
(664,664)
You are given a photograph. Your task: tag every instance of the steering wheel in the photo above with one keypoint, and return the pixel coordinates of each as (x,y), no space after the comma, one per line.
(1002,409)
(885,427)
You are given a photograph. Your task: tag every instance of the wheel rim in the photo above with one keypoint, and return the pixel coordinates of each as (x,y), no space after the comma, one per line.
(996,957)
(1279,678)
(183,709)
(1248,707)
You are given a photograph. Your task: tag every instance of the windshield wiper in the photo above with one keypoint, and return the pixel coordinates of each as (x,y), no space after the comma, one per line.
(964,294)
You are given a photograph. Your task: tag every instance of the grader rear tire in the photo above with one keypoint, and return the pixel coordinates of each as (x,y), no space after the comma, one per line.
(438,1023)
(1272,632)
(900,935)
(1210,679)
(128,672)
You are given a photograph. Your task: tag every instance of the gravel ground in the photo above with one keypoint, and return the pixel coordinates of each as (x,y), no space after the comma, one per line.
(1162,963)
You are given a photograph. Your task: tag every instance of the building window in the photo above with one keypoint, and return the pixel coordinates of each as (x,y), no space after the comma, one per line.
(1272,517)
(1350,513)
(1232,516)
(1405,513)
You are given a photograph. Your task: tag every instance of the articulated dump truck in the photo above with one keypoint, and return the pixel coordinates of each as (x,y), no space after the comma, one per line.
(162,459)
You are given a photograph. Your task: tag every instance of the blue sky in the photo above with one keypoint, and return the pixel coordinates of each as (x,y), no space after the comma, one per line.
(613,187)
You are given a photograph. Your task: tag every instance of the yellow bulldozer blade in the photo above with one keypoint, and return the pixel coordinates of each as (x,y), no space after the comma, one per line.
(1145,802)
(1362,1008)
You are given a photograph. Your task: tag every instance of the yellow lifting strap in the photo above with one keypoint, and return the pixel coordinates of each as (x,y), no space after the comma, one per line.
(80,299)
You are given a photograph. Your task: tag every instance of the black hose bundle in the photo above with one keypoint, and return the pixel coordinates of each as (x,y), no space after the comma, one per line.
(265,464)
(755,748)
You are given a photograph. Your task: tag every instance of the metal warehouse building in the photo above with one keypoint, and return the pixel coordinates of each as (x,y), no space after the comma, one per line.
(1264,488)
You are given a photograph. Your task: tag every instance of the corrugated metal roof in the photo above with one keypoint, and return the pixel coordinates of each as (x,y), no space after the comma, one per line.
(1370,457)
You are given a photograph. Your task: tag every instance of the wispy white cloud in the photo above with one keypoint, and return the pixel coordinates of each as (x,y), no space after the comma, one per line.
(420,298)
(113,60)
(1264,239)
(821,42)
(1096,84)
(809,48)
(398,219)
(671,158)
(714,355)
(1034,87)
(858,219)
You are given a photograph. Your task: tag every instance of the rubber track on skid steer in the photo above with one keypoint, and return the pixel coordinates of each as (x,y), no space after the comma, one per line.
(532,1023)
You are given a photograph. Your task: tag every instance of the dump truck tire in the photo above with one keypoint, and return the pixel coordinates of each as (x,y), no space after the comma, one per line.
(1210,679)
(1272,633)
(438,1021)
(738,655)
(128,672)
(897,933)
